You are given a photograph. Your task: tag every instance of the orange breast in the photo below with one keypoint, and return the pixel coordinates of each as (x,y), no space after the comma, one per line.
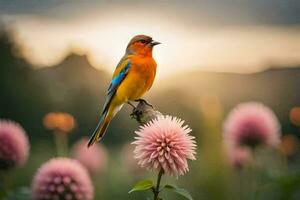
(139,79)
(145,67)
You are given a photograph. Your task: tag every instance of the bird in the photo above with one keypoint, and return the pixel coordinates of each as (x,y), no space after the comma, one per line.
(132,78)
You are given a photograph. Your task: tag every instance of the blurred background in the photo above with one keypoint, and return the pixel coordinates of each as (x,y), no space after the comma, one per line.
(58,56)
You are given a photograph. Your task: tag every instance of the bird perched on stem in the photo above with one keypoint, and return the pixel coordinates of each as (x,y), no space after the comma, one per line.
(133,76)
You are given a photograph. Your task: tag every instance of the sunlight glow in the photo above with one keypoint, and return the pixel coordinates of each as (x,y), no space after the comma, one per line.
(104,37)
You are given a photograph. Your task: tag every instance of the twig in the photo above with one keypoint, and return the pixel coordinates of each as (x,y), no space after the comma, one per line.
(144,112)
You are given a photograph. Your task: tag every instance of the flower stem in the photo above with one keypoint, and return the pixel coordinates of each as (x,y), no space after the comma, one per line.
(156,189)
(61,142)
(4,184)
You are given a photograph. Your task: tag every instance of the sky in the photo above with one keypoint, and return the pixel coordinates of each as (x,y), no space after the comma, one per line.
(242,36)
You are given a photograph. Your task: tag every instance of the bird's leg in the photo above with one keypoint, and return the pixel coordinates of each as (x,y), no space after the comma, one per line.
(135,111)
(144,112)
(133,106)
(143,101)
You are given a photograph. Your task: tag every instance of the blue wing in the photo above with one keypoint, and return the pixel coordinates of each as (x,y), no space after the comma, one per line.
(115,83)
(120,74)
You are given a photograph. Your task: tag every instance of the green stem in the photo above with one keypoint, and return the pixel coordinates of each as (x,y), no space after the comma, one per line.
(240,184)
(253,176)
(156,189)
(4,185)
(61,142)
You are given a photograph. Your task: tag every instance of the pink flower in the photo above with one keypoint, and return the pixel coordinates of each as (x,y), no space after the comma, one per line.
(62,178)
(93,158)
(14,145)
(252,124)
(164,143)
(239,156)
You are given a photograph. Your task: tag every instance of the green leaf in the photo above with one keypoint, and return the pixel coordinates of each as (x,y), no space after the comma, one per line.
(142,185)
(178,190)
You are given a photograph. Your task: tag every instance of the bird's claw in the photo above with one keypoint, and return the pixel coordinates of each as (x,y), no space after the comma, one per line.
(143,101)
(137,114)
(133,106)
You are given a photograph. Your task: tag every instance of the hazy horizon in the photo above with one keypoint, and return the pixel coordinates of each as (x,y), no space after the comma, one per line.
(236,36)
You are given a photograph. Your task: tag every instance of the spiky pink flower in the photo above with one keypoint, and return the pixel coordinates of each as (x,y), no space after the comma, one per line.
(14,145)
(252,124)
(239,156)
(62,178)
(164,143)
(93,158)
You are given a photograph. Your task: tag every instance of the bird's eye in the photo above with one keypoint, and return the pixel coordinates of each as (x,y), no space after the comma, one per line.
(143,41)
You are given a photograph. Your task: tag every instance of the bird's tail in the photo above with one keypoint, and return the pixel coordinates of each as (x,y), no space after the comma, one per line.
(105,119)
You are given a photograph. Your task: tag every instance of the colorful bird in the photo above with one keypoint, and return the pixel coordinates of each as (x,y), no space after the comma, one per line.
(133,76)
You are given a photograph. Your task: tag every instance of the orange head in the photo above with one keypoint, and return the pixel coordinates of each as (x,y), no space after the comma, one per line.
(141,45)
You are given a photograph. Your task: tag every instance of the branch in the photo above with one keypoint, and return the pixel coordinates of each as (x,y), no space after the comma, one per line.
(144,112)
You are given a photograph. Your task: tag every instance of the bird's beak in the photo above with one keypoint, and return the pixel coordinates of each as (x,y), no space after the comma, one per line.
(153,43)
